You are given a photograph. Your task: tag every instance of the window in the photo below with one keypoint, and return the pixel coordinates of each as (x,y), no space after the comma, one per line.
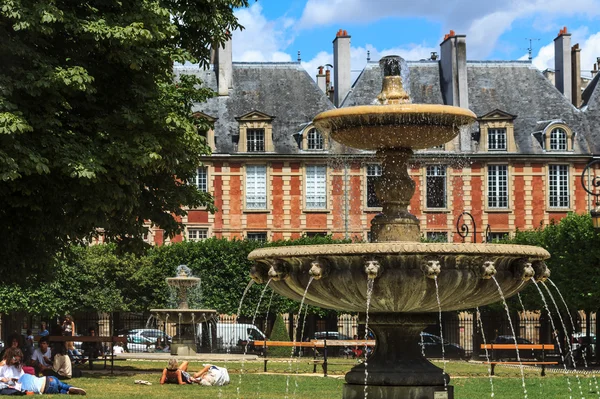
(497,139)
(316,187)
(262,236)
(313,234)
(437,236)
(495,236)
(559,186)
(201,180)
(498,186)
(197,234)
(436,186)
(315,140)
(373,172)
(558,140)
(255,140)
(256,187)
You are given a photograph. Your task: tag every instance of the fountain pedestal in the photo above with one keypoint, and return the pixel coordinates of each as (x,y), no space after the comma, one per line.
(397,367)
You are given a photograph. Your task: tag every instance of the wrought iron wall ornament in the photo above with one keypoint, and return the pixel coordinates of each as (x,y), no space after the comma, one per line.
(593,189)
(463,229)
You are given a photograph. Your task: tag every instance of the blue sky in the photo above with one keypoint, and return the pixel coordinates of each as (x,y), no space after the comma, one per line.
(496,30)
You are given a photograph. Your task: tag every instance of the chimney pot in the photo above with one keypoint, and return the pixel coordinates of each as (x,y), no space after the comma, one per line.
(321,70)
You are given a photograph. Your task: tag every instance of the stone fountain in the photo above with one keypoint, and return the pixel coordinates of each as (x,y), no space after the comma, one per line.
(402,271)
(186,319)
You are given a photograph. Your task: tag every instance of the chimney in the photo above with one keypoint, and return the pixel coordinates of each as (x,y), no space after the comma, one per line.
(453,53)
(224,68)
(455,89)
(594,71)
(341,66)
(322,80)
(562,66)
(576,77)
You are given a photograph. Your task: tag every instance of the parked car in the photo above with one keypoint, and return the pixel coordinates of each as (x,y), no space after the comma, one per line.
(432,347)
(333,336)
(144,339)
(510,353)
(234,336)
(1,344)
(580,338)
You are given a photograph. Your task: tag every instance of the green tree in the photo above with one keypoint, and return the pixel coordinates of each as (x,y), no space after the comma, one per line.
(279,333)
(574,249)
(94,131)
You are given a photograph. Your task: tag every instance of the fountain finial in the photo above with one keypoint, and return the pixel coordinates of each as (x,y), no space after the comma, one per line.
(392,91)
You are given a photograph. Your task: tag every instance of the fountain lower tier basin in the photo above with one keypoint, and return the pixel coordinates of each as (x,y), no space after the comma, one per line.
(373,127)
(184,316)
(404,274)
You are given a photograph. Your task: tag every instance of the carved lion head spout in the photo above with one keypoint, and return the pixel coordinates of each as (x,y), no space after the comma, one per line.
(522,269)
(542,273)
(277,272)
(488,270)
(316,270)
(372,268)
(256,275)
(432,269)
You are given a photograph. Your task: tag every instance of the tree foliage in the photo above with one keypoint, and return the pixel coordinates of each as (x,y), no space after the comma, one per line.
(574,261)
(93,127)
(279,333)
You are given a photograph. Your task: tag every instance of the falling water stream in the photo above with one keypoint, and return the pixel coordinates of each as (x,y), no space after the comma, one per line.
(248,340)
(512,328)
(287,380)
(237,315)
(556,336)
(583,353)
(487,354)
(296,386)
(566,335)
(370,283)
(437,296)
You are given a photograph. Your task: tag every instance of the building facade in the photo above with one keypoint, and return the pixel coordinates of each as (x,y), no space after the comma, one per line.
(274,176)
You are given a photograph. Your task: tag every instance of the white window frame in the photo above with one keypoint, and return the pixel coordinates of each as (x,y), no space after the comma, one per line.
(316,187)
(196,234)
(256,187)
(437,172)
(253,236)
(558,139)
(497,139)
(373,171)
(255,140)
(314,140)
(497,187)
(201,179)
(559,195)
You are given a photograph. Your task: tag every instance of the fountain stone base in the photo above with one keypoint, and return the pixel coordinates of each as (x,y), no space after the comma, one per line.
(397,367)
(186,322)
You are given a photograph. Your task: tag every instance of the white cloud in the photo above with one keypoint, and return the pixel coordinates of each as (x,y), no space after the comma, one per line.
(261,40)
(482,21)
(589,45)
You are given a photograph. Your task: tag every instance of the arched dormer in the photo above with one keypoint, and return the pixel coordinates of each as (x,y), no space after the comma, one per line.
(312,140)
(557,136)
(208,134)
(256,132)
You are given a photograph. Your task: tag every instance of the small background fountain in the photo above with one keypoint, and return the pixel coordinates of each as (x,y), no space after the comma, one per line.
(186,319)
(396,274)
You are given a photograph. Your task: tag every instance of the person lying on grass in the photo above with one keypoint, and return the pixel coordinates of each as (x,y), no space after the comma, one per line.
(176,374)
(212,375)
(47,385)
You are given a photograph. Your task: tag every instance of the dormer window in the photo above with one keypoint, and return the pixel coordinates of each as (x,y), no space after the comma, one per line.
(557,137)
(256,132)
(558,140)
(496,132)
(255,140)
(497,139)
(207,131)
(315,140)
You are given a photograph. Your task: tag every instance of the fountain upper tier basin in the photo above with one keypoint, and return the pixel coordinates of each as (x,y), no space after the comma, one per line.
(372,127)
(403,274)
(183,282)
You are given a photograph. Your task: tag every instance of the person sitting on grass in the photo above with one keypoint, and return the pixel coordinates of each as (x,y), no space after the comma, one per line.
(13,365)
(41,359)
(47,385)
(61,365)
(16,341)
(175,374)
(212,375)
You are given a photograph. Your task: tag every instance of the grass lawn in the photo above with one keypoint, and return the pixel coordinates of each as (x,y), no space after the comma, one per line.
(470,381)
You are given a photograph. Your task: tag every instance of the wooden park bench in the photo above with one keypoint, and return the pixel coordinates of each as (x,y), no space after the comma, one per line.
(87,338)
(522,347)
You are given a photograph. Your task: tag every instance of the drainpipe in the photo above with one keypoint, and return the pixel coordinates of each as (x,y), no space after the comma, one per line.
(346,205)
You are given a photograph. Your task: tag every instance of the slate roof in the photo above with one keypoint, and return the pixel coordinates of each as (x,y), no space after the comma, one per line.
(282,90)
(286,92)
(515,87)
